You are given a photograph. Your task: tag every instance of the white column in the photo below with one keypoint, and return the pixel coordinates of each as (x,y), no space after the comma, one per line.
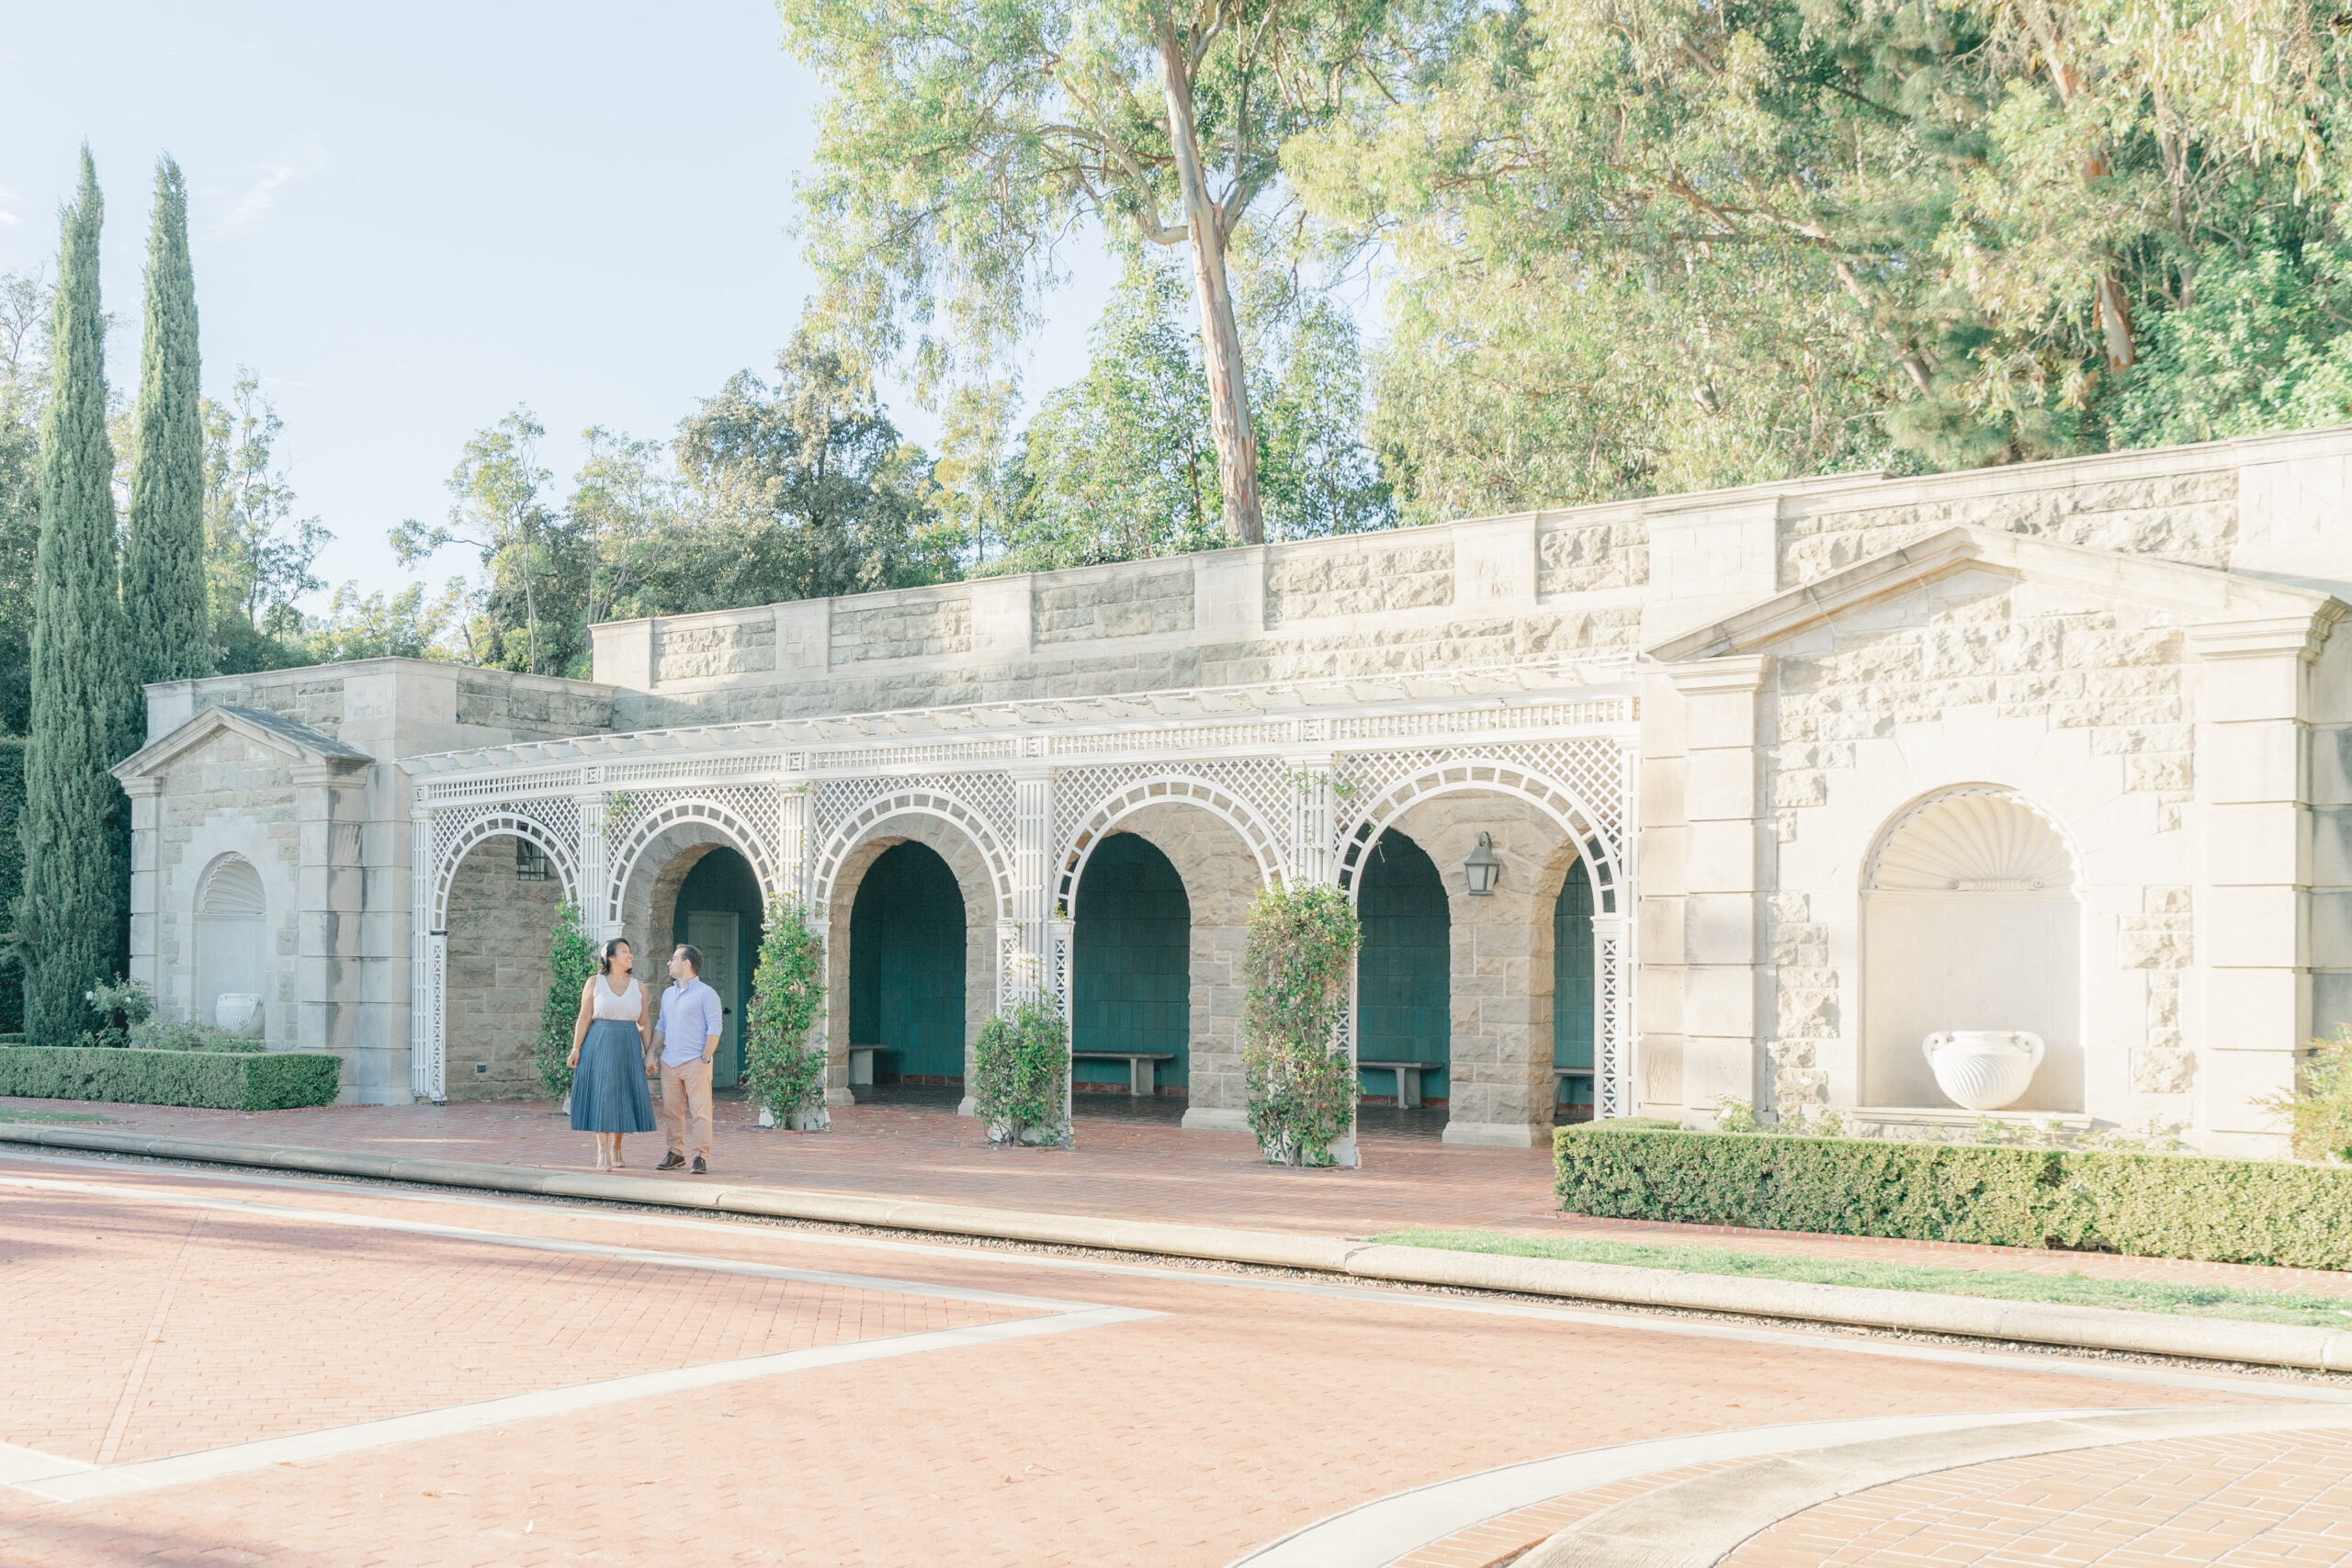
(595,867)
(792,850)
(1310,862)
(427,948)
(1613,1093)
(1033,853)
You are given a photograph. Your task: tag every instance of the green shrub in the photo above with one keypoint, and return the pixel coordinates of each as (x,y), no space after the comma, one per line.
(2319,1113)
(218,1080)
(781,1069)
(1020,1076)
(571,958)
(1301,1087)
(2227,1210)
(187,1034)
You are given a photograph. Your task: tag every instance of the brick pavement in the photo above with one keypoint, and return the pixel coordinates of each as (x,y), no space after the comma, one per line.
(1187,1438)
(1126,1169)
(2254,1500)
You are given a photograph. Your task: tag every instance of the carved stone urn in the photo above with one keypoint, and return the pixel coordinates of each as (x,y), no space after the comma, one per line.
(1982,1069)
(239,1013)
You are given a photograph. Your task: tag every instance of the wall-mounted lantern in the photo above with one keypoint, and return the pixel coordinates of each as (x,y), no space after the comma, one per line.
(1482,869)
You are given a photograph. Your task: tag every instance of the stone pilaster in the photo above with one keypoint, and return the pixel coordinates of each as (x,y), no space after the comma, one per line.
(2250,1003)
(1727,863)
(146,884)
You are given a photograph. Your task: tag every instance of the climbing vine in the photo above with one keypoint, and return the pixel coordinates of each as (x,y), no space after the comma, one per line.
(784,1071)
(1020,1076)
(1301,1085)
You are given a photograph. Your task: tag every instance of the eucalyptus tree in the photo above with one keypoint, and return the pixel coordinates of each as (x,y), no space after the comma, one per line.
(961,143)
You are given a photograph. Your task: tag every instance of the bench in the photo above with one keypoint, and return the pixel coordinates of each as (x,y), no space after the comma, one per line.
(861,1064)
(1141,1064)
(1409,1078)
(1560,1077)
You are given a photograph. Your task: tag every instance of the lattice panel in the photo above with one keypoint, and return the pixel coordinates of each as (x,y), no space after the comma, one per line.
(552,824)
(749,816)
(1582,783)
(1612,1057)
(988,795)
(1254,793)
(843,835)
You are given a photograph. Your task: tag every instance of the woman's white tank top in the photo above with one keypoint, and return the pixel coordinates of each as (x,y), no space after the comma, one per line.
(627,1006)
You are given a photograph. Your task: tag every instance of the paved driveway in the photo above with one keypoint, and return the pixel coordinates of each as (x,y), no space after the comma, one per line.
(224,1368)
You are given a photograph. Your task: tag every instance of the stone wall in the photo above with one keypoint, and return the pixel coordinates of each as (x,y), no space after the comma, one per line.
(2077,704)
(2190,517)
(707,648)
(1588,557)
(499,929)
(228,797)
(1148,599)
(1384,572)
(920,624)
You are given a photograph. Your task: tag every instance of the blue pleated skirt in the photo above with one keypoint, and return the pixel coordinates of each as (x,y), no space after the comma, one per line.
(609,1092)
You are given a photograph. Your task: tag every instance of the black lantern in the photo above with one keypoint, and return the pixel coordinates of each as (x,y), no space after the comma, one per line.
(1482,869)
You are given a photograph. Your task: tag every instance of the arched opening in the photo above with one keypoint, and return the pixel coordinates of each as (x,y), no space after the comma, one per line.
(907,968)
(1130,972)
(1973,920)
(1572,1018)
(230,916)
(1404,988)
(500,914)
(720,911)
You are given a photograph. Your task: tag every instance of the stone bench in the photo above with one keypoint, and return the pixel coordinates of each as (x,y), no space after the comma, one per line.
(861,1064)
(1139,1066)
(1409,1078)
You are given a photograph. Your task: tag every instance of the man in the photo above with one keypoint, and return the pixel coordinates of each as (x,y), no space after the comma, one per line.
(687,1037)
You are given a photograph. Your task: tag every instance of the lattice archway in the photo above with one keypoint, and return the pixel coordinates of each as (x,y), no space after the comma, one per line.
(922,800)
(468,836)
(1167,789)
(1594,822)
(657,817)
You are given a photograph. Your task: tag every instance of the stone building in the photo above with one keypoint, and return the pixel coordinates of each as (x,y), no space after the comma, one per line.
(1772,783)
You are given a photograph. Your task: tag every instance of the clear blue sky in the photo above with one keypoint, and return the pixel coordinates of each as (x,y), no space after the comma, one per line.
(408,219)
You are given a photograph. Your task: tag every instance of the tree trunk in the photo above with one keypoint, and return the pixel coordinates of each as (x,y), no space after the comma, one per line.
(1229,424)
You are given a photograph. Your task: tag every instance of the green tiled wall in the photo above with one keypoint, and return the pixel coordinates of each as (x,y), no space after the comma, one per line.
(1404,998)
(1572,981)
(906,963)
(1131,961)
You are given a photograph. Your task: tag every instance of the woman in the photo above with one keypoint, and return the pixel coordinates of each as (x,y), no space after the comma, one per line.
(614,1037)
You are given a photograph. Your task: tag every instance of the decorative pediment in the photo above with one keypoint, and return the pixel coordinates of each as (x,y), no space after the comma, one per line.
(2194,593)
(298,743)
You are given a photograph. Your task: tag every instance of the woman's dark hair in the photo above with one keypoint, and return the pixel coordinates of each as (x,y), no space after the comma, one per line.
(605,958)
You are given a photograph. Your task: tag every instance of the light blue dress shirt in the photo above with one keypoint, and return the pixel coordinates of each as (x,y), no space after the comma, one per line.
(690,1015)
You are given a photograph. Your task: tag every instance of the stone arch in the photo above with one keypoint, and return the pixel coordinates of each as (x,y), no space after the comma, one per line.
(981,875)
(1502,970)
(1222,870)
(1972,917)
(1600,845)
(687,820)
(956,815)
(497,825)
(232,923)
(495,929)
(1258,835)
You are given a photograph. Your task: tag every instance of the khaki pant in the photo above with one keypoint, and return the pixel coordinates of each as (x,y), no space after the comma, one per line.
(685,1094)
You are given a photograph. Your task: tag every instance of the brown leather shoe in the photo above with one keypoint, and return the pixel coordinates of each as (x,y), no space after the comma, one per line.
(670,1161)
(700,1168)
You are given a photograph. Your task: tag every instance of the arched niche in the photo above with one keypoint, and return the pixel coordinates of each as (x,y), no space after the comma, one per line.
(1403,995)
(1131,963)
(231,916)
(907,966)
(1972,919)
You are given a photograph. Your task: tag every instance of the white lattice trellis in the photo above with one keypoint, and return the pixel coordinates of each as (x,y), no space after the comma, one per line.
(840,828)
(748,816)
(1252,794)
(553,825)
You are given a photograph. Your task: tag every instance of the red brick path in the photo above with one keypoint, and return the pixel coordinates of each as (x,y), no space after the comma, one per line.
(1183,1440)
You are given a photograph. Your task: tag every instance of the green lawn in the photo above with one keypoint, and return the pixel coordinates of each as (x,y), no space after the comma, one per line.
(2004,1284)
(14,1113)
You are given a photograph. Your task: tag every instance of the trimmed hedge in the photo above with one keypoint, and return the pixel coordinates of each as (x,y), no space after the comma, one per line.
(217,1080)
(2223,1211)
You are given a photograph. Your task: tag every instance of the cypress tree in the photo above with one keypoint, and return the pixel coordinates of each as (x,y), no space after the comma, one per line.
(74,908)
(163,596)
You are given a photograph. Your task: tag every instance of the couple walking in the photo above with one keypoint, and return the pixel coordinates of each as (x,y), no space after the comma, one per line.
(618,1043)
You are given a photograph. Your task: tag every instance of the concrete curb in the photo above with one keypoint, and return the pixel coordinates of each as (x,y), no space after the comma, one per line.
(2091,1329)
